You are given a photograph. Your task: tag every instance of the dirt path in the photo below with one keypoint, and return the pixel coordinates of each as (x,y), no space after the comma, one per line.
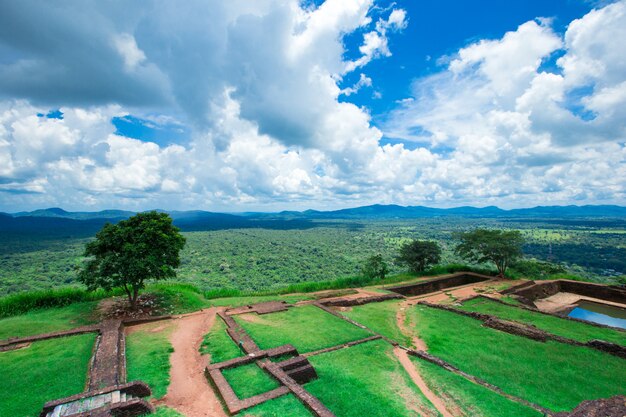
(404,359)
(400,320)
(189,392)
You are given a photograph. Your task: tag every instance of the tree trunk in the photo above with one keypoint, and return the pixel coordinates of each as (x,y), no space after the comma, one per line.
(133,299)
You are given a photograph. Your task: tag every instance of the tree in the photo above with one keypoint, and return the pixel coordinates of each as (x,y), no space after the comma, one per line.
(145,246)
(502,247)
(375,267)
(418,254)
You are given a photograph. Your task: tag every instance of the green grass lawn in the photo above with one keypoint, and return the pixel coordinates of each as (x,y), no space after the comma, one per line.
(249,380)
(287,405)
(554,375)
(242,301)
(148,357)
(48,320)
(165,412)
(381,318)
(472,400)
(45,371)
(218,344)
(308,328)
(555,325)
(367,380)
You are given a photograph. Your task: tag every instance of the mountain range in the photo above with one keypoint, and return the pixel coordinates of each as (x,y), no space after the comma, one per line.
(56,219)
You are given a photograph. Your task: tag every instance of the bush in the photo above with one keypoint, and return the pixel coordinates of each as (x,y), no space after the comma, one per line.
(24,302)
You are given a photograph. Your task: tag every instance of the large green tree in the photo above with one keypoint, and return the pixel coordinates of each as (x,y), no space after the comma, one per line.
(144,247)
(375,267)
(418,254)
(502,247)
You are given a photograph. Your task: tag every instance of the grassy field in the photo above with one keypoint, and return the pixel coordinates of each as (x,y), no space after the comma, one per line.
(165,412)
(287,405)
(249,380)
(218,344)
(48,320)
(565,328)
(381,318)
(47,370)
(148,352)
(367,380)
(554,375)
(467,398)
(308,328)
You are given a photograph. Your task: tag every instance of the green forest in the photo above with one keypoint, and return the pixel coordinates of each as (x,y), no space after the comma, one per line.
(322,250)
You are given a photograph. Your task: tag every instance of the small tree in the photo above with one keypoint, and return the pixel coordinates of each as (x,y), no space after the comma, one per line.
(418,254)
(375,267)
(143,247)
(502,247)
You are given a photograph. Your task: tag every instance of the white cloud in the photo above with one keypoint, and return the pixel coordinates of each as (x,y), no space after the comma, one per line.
(257,86)
(521,135)
(128,49)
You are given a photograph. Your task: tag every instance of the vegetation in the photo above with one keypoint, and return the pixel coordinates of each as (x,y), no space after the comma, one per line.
(375,267)
(249,380)
(46,370)
(218,344)
(502,247)
(308,328)
(143,247)
(367,380)
(381,318)
(554,375)
(287,405)
(419,254)
(165,412)
(555,325)
(148,352)
(469,398)
(270,260)
(48,320)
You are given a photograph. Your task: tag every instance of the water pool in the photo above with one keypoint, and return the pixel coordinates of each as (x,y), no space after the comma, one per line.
(600,313)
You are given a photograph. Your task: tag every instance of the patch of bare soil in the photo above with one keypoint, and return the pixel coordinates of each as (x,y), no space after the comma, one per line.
(189,392)
(119,308)
(254,318)
(437,402)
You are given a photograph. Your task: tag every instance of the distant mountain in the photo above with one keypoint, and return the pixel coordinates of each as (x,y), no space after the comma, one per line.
(77,215)
(58,222)
(379,211)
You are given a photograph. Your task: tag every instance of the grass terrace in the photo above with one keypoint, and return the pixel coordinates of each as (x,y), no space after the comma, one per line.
(287,405)
(48,320)
(44,371)
(218,344)
(555,325)
(148,352)
(308,328)
(554,375)
(367,380)
(381,318)
(249,380)
(467,398)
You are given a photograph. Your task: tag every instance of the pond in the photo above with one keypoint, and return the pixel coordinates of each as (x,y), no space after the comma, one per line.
(600,313)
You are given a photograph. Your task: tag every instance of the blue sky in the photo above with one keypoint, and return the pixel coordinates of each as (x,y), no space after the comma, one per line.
(281,104)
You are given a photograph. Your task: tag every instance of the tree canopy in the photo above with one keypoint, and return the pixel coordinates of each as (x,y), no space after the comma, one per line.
(144,247)
(418,254)
(375,267)
(502,247)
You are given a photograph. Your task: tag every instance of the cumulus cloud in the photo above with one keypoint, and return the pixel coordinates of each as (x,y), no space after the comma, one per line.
(259,87)
(518,132)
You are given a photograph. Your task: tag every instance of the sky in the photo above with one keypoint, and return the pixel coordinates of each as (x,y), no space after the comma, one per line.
(270,105)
